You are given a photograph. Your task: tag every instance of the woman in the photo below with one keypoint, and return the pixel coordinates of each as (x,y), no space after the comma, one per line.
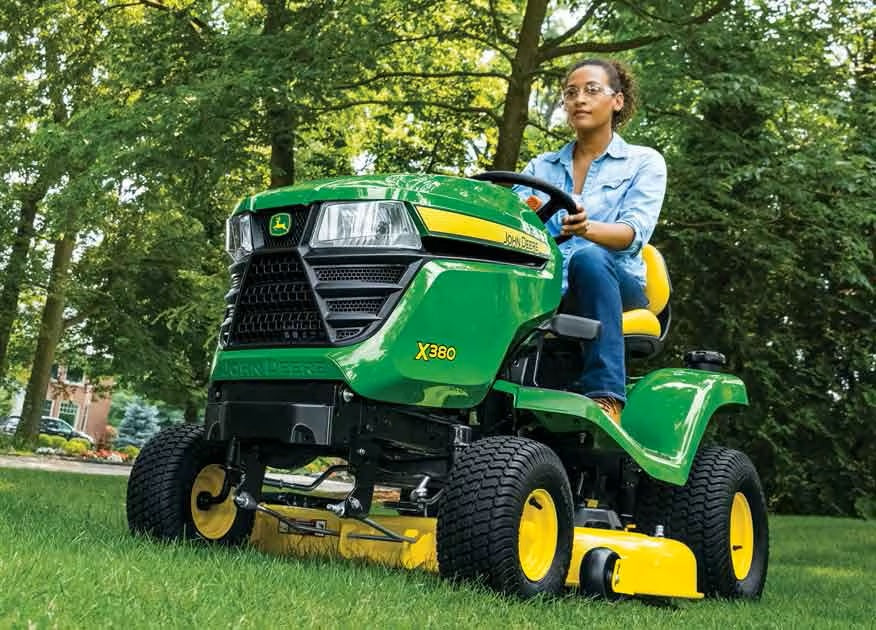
(619,189)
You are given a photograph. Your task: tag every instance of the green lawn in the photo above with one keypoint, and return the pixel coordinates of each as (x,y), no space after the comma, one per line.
(67,561)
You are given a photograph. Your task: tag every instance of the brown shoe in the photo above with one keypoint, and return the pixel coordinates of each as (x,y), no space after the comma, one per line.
(611,406)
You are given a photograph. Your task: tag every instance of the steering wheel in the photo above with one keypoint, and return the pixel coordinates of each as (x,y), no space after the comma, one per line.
(557,199)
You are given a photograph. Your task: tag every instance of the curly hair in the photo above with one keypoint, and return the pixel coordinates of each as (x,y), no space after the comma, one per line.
(620,79)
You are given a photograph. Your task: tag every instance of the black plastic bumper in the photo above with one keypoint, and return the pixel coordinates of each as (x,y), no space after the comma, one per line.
(290,413)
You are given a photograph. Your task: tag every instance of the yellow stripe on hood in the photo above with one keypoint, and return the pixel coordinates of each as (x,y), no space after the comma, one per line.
(456,224)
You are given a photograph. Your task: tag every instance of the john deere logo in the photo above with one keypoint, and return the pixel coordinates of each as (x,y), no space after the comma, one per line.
(281,224)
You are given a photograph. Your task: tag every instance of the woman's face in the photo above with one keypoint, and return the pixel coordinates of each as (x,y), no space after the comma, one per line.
(589,100)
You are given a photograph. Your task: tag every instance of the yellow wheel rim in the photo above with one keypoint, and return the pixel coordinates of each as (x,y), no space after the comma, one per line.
(216,520)
(537,536)
(741,536)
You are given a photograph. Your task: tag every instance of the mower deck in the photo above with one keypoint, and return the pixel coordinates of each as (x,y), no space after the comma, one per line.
(647,565)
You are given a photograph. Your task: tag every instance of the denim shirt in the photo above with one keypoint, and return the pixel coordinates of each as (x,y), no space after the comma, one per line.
(625,184)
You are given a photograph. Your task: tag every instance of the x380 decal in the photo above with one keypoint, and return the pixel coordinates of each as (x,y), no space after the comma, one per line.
(427,351)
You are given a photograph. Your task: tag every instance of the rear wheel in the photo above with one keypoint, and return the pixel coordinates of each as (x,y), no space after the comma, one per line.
(506,517)
(173,470)
(720,513)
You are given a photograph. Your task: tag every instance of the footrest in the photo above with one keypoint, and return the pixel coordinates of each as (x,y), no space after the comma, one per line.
(572,327)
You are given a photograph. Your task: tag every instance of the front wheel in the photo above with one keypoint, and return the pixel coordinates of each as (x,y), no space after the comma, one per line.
(173,470)
(506,518)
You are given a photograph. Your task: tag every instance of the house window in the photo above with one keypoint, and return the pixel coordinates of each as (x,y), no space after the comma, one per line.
(47,407)
(55,371)
(68,411)
(75,375)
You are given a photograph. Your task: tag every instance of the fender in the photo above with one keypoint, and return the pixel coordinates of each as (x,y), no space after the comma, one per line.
(666,414)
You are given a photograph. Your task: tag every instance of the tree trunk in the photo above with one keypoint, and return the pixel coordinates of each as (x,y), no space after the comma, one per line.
(47,342)
(280,126)
(14,272)
(516,109)
(279,117)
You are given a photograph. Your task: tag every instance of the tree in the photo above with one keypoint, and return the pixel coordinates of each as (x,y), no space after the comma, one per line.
(150,293)
(138,426)
(130,128)
(28,169)
(43,46)
(769,235)
(519,44)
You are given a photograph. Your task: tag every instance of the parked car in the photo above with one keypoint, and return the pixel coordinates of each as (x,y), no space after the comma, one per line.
(49,426)
(9,424)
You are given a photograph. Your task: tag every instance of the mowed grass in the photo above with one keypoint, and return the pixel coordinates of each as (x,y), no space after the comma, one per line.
(67,561)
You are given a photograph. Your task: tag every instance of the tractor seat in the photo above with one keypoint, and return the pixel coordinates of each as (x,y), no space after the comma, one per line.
(645,328)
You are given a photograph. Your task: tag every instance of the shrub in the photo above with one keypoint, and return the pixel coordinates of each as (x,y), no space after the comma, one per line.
(866,507)
(76,446)
(57,441)
(44,440)
(319,464)
(130,451)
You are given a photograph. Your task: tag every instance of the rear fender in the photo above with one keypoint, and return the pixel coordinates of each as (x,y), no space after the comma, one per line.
(662,424)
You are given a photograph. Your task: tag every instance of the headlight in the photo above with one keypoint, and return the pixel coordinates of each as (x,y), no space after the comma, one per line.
(238,236)
(366,224)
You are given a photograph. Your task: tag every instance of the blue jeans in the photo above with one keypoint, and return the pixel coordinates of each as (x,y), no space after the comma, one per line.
(598,289)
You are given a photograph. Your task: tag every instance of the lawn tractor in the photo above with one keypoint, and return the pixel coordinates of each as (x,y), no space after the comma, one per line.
(412,328)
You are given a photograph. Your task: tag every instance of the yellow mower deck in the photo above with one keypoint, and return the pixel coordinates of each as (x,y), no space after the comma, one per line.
(648,565)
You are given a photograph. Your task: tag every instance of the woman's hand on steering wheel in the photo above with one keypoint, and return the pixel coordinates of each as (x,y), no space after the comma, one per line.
(575,224)
(557,200)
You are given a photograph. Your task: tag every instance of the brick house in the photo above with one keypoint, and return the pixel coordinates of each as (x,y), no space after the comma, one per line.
(72,397)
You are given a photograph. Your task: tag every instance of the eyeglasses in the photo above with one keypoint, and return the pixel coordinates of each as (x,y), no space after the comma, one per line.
(591,90)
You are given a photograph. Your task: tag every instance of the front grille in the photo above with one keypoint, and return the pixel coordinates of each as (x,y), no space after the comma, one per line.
(298,216)
(276,304)
(236,279)
(378,274)
(279,299)
(355,305)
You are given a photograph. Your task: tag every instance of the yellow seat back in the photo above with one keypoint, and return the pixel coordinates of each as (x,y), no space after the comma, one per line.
(657,287)
(644,321)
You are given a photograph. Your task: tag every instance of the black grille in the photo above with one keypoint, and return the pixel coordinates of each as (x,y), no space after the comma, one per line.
(236,279)
(279,299)
(298,216)
(276,304)
(230,301)
(355,305)
(383,274)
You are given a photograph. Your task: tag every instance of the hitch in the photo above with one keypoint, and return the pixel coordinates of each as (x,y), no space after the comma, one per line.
(245,501)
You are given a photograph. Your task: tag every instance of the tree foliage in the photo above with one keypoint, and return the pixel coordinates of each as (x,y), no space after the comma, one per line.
(129,128)
(769,233)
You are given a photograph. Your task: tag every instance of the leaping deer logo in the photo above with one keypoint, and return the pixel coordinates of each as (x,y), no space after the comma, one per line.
(280,224)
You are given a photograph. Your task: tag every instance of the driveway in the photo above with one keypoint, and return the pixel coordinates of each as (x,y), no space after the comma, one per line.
(62,465)
(88,468)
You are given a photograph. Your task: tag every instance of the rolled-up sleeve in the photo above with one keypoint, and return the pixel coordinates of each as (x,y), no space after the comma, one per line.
(641,205)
